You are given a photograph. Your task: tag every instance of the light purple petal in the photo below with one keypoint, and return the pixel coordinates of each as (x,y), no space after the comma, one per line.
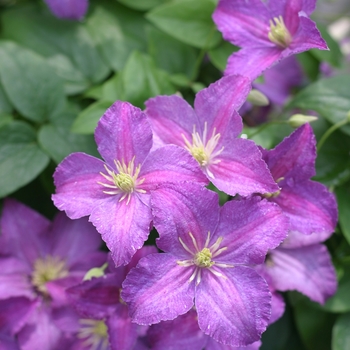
(294,158)
(77,189)
(124,227)
(68,9)
(96,298)
(158,289)
(233,309)
(277,307)
(276,6)
(122,333)
(307,37)
(8,343)
(242,170)
(251,62)
(182,333)
(309,6)
(73,240)
(243,22)
(308,270)
(178,210)
(21,230)
(122,133)
(66,319)
(310,207)
(170,117)
(217,103)
(170,164)
(296,239)
(214,345)
(249,229)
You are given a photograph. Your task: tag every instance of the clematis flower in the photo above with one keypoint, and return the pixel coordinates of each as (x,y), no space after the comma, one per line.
(207,263)
(38,261)
(210,134)
(105,320)
(309,206)
(68,9)
(116,193)
(267,32)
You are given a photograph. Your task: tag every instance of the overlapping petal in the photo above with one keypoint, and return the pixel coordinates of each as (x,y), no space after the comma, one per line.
(158,289)
(233,309)
(68,9)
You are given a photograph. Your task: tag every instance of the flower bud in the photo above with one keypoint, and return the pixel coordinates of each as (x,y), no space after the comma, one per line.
(297,120)
(257,98)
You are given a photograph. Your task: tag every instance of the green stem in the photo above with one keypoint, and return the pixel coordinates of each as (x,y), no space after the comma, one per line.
(330,131)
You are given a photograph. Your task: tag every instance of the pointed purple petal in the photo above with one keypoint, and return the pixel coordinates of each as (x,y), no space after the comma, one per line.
(68,9)
(171,116)
(296,239)
(249,229)
(21,229)
(77,188)
(308,270)
(251,62)
(182,333)
(294,158)
(170,164)
(242,170)
(233,309)
(214,345)
(277,307)
(217,103)
(243,22)
(178,210)
(310,207)
(122,133)
(124,227)
(158,289)
(122,333)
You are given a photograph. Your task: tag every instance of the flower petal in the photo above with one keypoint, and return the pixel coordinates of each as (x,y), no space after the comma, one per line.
(241,170)
(122,133)
(77,180)
(233,309)
(68,9)
(308,270)
(123,226)
(249,229)
(158,289)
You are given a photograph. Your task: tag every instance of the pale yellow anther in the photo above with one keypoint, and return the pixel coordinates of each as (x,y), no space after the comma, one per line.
(279,34)
(203,258)
(94,334)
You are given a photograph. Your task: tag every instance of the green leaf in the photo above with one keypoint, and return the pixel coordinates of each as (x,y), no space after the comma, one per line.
(5,104)
(67,44)
(310,64)
(340,301)
(117,31)
(329,97)
(142,4)
(5,119)
(86,121)
(171,54)
(34,90)
(188,21)
(341,334)
(219,55)
(343,195)
(58,141)
(21,160)
(334,56)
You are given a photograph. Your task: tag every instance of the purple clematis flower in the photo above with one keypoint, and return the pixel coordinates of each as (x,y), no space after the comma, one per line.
(267,32)
(105,317)
(68,9)
(38,261)
(116,193)
(210,133)
(301,263)
(208,253)
(310,207)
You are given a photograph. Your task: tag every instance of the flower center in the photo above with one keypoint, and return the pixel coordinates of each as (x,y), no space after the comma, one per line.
(202,258)
(279,34)
(94,334)
(48,269)
(125,181)
(202,149)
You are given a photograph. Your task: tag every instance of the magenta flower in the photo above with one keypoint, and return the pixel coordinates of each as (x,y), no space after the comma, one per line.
(210,134)
(116,193)
(38,261)
(267,32)
(207,259)
(105,319)
(309,206)
(68,9)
